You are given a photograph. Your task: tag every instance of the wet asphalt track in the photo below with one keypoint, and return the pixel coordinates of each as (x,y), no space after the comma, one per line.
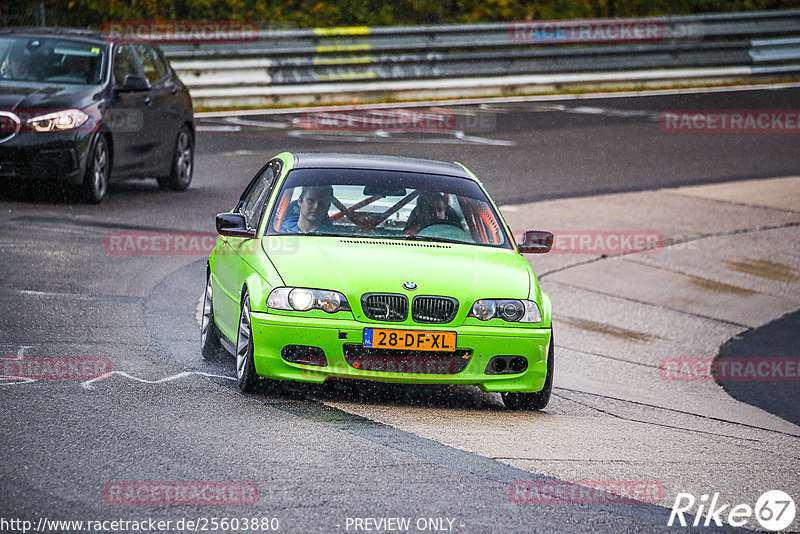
(62,294)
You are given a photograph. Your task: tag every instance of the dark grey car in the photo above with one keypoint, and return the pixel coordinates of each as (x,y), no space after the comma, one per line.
(80,109)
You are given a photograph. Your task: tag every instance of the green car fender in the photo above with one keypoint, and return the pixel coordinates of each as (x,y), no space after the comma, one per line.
(258,289)
(546,309)
(540,297)
(260,276)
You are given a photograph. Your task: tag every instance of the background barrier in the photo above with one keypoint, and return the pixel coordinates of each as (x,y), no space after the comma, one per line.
(327,64)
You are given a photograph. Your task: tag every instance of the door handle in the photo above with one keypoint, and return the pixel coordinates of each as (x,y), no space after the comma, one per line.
(147,100)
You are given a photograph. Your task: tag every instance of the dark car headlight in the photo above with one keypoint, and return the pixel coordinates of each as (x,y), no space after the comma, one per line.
(513,311)
(68,119)
(305,299)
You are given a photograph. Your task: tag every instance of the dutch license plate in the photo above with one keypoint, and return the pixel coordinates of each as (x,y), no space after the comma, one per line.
(385,338)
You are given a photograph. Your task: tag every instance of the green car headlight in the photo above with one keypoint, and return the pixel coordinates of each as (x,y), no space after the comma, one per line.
(484,309)
(513,311)
(301,299)
(330,302)
(305,299)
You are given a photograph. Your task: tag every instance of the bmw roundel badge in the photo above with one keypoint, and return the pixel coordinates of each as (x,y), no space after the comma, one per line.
(411,286)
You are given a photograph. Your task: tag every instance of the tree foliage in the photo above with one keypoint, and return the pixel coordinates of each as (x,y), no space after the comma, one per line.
(322,13)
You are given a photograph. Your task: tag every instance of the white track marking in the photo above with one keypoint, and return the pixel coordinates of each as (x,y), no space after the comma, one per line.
(258,124)
(508,99)
(458,137)
(89,384)
(214,128)
(238,153)
(483,140)
(14,380)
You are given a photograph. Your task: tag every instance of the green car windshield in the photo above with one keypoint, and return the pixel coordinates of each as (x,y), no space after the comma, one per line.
(386,204)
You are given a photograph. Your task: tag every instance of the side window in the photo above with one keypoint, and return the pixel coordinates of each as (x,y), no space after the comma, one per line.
(154,67)
(253,201)
(124,63)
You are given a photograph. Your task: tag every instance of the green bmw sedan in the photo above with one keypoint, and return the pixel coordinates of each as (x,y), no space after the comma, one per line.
(377,268)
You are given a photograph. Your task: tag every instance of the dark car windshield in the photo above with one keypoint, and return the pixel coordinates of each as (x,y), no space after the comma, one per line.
(386,204)
(48,60)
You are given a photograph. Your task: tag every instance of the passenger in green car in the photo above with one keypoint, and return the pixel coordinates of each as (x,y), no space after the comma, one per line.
(314,203)
(431,209)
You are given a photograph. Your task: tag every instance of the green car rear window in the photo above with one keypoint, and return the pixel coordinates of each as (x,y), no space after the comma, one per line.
(386,204)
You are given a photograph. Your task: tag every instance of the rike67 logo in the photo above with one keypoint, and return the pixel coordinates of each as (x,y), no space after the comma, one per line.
(774,510)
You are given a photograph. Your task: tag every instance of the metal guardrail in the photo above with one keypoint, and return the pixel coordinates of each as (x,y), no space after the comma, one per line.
(298,61)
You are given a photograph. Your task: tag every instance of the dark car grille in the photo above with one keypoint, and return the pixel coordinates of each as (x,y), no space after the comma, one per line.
(54,163)
(433,309)
(406,361)
(385,307)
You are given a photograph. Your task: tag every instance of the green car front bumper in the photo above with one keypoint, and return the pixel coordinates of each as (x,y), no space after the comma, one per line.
(342,343)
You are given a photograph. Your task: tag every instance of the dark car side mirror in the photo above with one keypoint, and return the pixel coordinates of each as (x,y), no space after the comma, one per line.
(234,225)
(536,242)
(133,82)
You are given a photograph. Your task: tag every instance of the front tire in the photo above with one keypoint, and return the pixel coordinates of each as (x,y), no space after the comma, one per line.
(209,332)
(533,401)
(246,376)
(182,163)
(98,170)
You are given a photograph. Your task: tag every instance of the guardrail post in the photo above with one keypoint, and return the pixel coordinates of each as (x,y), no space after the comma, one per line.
(40,18)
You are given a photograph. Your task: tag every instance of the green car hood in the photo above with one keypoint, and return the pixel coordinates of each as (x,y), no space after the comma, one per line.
(356,266)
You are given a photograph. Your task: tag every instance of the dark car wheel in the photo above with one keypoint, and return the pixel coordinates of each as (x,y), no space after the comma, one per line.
(533,401)
(209,332)
(98,170)
(246,375)
(182,163)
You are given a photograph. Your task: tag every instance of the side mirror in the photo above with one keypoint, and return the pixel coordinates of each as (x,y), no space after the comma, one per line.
(536,242)
(234,225)
(133,82)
